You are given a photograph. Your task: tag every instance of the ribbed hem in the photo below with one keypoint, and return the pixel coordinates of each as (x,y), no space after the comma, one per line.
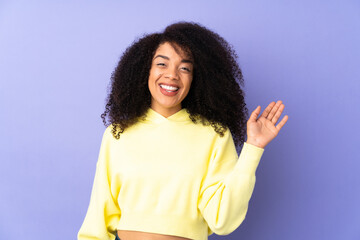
(164,224)
(249,158)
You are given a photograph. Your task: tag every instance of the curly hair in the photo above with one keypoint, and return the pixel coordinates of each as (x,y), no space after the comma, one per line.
(215,97)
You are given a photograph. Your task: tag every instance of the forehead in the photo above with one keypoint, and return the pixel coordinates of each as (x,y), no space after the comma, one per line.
(172,49)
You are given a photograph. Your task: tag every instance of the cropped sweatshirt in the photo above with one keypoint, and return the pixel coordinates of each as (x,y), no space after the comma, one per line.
(170,176)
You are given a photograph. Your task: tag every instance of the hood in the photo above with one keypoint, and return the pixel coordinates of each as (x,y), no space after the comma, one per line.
(155,117)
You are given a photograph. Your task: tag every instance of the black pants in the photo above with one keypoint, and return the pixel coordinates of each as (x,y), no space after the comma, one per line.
(117,237)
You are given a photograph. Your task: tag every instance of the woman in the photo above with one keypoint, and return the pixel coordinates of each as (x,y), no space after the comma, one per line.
(168,167)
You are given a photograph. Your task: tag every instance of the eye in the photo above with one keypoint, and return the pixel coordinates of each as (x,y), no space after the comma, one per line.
(160,64)
(186,69)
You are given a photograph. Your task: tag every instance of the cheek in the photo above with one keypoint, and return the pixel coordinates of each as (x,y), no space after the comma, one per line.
(188,83)
(154,74)
(151,81)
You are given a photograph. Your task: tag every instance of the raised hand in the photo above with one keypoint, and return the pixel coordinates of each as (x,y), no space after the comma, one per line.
(262,130)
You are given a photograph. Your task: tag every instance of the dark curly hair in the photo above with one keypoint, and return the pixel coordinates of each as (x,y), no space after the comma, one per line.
(215,97)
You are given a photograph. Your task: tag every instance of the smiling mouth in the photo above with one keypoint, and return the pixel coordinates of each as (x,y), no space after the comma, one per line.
(168,88)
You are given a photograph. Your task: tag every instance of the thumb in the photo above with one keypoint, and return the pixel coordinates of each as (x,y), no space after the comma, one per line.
(255,114)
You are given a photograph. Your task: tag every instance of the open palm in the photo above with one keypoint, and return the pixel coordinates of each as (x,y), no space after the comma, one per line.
(262,130)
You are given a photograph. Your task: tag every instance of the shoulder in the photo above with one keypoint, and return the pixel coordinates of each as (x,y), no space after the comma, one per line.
(225,138)
(111,130)
(108,133)
(208,134)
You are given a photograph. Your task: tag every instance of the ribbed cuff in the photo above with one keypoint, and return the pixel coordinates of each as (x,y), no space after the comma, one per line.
(249,159)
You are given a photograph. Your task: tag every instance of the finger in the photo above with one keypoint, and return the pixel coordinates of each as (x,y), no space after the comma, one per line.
(267,110)
(274,109)
(278,114)
(282,122)
(255,114)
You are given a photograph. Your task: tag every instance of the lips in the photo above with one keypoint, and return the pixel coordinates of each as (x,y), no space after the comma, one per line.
(169,84)
(169,90)
(169,87)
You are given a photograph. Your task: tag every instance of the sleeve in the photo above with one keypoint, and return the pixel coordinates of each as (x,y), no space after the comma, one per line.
(103,212)
(228,185)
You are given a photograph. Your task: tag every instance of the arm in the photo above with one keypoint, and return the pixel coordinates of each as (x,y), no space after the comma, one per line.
(228,185)
(103,212)
(229,182)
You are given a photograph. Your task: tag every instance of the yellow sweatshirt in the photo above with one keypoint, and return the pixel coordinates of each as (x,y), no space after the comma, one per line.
(170,176)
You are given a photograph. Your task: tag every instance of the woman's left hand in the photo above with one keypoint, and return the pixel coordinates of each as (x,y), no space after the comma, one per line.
(261,131)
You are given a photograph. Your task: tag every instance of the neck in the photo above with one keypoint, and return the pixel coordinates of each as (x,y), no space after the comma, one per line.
(166,112)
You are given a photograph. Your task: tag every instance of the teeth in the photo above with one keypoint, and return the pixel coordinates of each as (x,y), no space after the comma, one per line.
(170,88)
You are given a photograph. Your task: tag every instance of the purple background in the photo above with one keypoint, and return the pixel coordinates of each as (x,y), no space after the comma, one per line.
(55,64)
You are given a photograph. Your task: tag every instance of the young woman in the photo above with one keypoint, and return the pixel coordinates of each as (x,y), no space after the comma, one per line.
(168,167)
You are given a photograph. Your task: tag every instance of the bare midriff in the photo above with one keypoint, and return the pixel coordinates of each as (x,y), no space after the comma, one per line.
(137,235)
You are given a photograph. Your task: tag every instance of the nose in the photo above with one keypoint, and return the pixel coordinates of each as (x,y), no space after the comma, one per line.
(171,73)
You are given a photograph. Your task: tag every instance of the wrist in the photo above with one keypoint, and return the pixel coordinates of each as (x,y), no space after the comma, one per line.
(255,143)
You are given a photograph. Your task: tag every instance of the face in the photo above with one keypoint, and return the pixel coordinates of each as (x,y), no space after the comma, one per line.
(170,78)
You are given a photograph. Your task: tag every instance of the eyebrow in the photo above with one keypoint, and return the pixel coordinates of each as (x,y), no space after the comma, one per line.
(167,58)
